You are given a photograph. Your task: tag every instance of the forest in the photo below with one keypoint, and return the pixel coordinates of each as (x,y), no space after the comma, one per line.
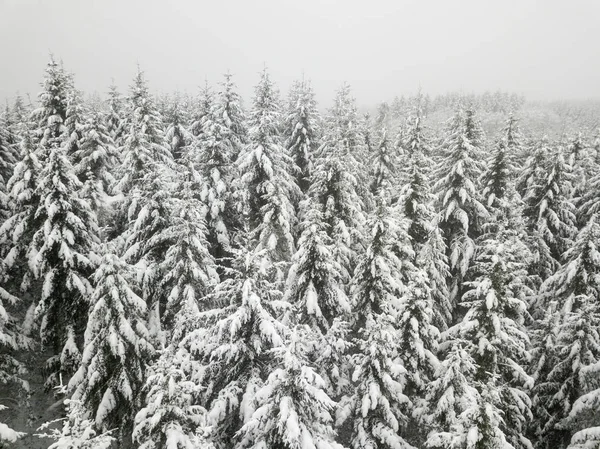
(186,271)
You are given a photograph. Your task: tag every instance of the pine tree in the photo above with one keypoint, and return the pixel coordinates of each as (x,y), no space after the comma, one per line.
(62,254)
(77,431)
(202,110)
(301,131)
(187,272)
(266,186)
(417,205)
(74,122)
(378,277)
(233,347)
(461,210)
(556,221)
(293,409)
(116,350)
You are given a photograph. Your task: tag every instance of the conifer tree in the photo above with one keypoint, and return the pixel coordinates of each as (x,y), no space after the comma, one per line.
(12,339)
(233,349)
(116,350)
(293,409)
(211,155)
(203,107)
(176,133)
(462,213)
(315,279)
(62,255)
(302,130)
(417,205)
(378,407)
(170,419)
(266,185)
(116,123)
(493,329)
(74,123)
(383,165)
(566,339)
(50,116)
(228,108)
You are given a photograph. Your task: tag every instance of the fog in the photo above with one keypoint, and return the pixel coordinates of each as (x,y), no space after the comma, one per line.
(542,49)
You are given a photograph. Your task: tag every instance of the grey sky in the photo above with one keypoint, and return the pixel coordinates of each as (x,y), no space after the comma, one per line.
(543,49)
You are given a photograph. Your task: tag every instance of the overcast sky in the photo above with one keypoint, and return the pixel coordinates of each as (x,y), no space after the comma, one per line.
(543,49)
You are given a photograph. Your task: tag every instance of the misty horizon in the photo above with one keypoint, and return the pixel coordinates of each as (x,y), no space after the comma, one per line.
(539,50)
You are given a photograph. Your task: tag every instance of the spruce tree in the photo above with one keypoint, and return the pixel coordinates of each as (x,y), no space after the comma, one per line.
(566,337)
(494,331)
(461,210)
(62,255)
(315,279)
(176,133)
(266,186)
(378,408)
(115,120)
(116,350)
(233,347)
(228,107)
(301,130)
(293,410)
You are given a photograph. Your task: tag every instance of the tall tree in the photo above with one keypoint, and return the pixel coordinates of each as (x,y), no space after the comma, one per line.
(116,350)
(301,130)
(62,254)
(461,210)
(293,409)
(266,186)
(233,348)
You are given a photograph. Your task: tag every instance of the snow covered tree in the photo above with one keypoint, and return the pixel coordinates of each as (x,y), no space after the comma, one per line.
(96,158)
(462,213)
(212,154)
(62,254)
(383,165)
(233,347)
(416,204)
(187,272)
(378,408)
(77,431)
(170,419)
(8,159)
(293,410)
(567,336)
(266,185)
(176,133)
(17,231)
(556,220)
(74,121)
(115,123)
(49,117)
(116,350)
(315,279)
(494,331)
(379,280)
(228,107)
(203,107)
(302,130)
(12,339)
(583,417)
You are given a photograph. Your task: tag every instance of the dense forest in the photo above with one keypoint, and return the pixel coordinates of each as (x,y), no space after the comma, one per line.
(184,272)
